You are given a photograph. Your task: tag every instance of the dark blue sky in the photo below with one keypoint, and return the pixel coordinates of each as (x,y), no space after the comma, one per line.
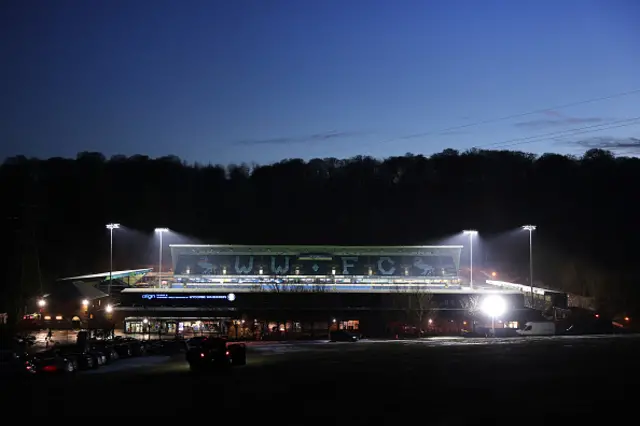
(230,80)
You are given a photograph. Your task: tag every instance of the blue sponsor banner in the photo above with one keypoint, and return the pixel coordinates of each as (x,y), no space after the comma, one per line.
(165,296)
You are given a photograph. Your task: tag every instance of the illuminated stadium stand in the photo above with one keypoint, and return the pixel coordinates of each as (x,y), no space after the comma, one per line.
(338,268)
(306,287)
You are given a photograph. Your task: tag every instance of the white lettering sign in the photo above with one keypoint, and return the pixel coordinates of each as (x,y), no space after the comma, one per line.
(280,269)
(381,268)
(426,269)
(348,262)
(244,269)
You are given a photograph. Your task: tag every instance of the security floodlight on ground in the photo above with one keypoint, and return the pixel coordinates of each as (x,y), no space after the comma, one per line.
(109,309)
(494,306)
(530,228)
(111,227)
(42,303)
(160,231)
(471,233)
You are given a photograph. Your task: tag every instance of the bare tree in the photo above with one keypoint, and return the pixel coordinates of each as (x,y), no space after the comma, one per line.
(472,305)
(418,304)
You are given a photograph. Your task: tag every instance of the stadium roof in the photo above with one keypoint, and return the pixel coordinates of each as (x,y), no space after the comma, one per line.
(78,291)
(297,249)
(294,246)
(105,275)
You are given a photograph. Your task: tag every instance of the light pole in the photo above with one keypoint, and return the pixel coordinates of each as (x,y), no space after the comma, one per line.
(471,233)
(530,228)
(41,304)
(160,231)
(111,227)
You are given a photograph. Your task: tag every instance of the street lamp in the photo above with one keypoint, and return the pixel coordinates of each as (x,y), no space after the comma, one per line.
(471,233)
(111,227)
(494,306)
(160,231)
(42,303)
(530,228)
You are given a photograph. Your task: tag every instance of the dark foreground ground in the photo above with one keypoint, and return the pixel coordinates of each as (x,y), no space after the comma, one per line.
(437,382)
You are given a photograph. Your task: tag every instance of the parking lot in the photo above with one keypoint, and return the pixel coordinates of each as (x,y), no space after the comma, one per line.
(444,381)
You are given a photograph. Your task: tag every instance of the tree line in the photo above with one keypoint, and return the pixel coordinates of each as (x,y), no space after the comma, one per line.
(54,211)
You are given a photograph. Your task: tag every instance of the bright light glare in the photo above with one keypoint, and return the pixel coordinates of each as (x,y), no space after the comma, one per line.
(42,303)
(529,228)
(145,321)
(494,306)
(85,302)
(162,229)
(470,232)
(109,309)
(113,225)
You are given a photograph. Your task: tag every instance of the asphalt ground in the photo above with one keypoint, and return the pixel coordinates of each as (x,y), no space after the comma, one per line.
(580,380)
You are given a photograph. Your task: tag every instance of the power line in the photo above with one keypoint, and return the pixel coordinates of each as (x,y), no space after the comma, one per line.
(564,133)
(517,115)
(558,132)
(637,122)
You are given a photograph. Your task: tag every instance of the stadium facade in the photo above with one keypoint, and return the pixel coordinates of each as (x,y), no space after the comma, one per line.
(304,290)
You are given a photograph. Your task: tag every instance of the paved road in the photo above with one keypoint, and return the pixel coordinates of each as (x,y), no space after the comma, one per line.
(435,382)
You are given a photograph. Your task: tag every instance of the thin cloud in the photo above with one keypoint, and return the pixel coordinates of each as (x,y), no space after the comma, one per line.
(454,132)
(617,145)
(565,121)
(557,119)
(313,138)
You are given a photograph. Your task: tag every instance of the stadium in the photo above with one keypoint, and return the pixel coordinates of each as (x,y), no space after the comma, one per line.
(259,291)
(306,290)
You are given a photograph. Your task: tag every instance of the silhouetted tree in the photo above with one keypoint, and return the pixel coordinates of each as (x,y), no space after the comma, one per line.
(585,208)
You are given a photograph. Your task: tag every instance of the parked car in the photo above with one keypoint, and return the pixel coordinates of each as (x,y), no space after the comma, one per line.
(106,348)
(15,364)
(86,360)
(128,347)
(342,336)
(166,347)
(53,361)
(212,353)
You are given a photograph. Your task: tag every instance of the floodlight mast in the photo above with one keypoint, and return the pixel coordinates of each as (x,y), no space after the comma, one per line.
(471,233)
(530,228)
(160,231)
(111,227)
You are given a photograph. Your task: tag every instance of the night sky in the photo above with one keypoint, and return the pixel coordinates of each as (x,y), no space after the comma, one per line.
(230,80)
